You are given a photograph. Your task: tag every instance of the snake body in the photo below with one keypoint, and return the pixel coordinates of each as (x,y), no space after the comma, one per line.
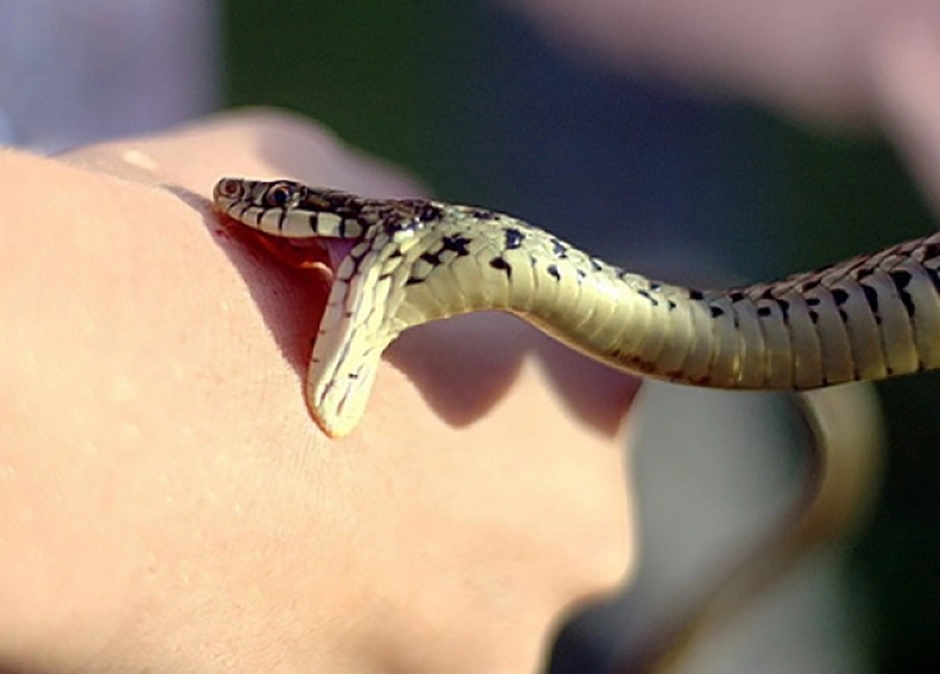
(416,260)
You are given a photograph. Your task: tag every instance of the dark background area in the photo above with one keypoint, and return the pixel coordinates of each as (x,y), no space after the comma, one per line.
(472,100)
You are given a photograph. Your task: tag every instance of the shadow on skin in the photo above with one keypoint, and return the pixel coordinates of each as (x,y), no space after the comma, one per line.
(462,365)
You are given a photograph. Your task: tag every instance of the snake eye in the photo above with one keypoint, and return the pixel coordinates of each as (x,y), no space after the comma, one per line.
(280,194)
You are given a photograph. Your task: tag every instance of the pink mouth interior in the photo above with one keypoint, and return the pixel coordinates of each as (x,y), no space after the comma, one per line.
(309,252)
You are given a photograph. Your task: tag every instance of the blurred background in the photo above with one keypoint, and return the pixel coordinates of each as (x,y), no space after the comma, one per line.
(468,96)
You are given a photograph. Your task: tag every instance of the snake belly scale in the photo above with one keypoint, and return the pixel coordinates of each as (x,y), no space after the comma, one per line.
(413,260)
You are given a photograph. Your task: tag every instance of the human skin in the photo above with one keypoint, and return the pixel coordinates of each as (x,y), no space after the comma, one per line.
(168,505)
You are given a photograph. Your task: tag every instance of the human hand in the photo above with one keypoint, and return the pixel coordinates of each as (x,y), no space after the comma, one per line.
(168,504)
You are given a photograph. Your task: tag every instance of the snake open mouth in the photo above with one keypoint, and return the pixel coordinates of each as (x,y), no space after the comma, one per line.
(315,252)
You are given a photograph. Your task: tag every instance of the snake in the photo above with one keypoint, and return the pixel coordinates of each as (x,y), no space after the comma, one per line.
(400,263)
(411,261)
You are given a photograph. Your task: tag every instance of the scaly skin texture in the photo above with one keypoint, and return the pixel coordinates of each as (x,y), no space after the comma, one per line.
(414,261)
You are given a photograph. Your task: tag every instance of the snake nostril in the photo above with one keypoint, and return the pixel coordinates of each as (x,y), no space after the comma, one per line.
(228,188)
